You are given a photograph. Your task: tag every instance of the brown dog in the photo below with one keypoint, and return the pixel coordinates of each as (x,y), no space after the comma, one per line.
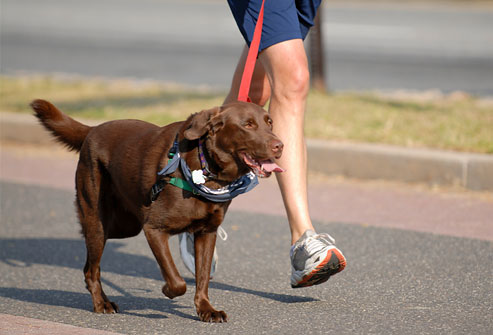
(118,166)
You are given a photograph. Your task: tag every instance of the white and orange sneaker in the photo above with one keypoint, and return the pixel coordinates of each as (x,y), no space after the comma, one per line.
(314,258)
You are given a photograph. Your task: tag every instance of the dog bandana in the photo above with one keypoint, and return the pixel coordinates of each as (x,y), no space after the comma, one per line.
(241,185)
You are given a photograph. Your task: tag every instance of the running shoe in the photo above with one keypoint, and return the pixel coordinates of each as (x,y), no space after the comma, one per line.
(187,251)
(314,258)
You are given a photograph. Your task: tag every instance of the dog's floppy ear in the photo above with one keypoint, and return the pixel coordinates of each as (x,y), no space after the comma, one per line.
(206,120)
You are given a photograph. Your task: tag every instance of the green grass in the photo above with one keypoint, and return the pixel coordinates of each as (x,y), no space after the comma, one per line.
(457,122)
(462,124)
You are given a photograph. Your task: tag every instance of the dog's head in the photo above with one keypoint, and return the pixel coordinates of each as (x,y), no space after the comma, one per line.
(239,138)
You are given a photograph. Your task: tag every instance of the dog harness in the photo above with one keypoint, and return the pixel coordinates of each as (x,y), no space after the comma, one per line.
(194,180)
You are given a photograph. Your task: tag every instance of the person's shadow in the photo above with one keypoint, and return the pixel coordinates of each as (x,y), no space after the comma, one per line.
(71,253)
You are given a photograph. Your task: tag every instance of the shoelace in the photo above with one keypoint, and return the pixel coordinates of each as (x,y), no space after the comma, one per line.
(222,233)
(327,238)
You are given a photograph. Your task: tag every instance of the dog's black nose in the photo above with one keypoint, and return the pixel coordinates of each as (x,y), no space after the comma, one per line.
(276,146)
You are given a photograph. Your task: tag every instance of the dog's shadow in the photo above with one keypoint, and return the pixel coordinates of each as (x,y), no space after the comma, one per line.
(70,253)
(129,305)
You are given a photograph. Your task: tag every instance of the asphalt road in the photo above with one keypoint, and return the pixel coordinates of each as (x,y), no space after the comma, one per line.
(396,282)
(369,46)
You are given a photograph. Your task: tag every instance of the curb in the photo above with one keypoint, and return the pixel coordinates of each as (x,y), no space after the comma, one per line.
(375,161)
(361,161)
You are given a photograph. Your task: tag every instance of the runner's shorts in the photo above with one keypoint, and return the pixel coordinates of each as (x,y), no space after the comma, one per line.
(283,19)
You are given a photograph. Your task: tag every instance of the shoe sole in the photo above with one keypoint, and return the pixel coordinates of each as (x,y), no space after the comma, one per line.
(332,264)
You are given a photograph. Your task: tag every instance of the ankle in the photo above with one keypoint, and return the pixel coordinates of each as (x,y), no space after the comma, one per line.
(298,232)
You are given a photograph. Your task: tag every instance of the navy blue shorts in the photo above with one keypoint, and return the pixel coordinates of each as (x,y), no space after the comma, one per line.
(283,19)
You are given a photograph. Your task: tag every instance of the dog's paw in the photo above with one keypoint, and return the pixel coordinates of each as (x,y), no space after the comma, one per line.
(111,308)
(108,307)
(213,316)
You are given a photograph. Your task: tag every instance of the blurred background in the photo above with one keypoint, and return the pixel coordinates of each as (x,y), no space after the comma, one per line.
(390,67)
(413,45)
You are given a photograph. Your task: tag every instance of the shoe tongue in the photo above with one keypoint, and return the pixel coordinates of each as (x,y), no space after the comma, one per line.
(270,166)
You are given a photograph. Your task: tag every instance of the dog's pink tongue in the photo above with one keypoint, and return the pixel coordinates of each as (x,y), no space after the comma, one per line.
(270,166)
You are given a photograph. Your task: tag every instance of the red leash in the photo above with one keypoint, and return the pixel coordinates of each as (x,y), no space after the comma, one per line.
(246,78)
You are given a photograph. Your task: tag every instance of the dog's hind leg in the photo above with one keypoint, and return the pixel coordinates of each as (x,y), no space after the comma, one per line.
(89,192)
(92,273)
(158,241)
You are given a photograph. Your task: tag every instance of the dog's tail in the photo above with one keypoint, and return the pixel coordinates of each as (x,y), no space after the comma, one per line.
(65,129)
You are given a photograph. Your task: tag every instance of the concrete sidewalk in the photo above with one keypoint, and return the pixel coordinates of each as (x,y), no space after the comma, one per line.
(362,161)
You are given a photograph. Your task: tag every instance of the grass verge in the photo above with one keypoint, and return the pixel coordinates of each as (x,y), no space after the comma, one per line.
(452,122)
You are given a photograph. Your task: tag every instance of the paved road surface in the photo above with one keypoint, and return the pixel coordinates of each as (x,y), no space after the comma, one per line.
(398,281)
(196,42)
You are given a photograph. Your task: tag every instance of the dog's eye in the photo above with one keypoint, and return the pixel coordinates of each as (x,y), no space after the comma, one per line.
(268,120)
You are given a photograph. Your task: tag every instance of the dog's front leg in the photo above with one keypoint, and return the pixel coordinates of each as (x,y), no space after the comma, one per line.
(158,241)
(204,250)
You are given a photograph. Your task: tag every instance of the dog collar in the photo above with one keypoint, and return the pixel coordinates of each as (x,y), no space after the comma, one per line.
(203,161)
(241,185)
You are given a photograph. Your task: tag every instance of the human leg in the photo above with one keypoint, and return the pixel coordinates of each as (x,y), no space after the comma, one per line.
(281,74)
(314,257)
(286,68)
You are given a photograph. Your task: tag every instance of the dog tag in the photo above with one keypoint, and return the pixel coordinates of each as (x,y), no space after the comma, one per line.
(198,177)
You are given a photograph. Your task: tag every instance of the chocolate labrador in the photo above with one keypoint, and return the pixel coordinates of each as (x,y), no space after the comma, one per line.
(118,171)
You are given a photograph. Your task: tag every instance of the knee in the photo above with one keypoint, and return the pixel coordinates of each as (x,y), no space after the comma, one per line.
(298,82)
(294,86)
(259,93)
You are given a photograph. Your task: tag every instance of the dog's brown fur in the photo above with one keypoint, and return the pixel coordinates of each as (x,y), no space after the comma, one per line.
(118,165)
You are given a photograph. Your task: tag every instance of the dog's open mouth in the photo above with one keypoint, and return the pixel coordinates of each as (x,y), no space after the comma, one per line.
(262,168)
